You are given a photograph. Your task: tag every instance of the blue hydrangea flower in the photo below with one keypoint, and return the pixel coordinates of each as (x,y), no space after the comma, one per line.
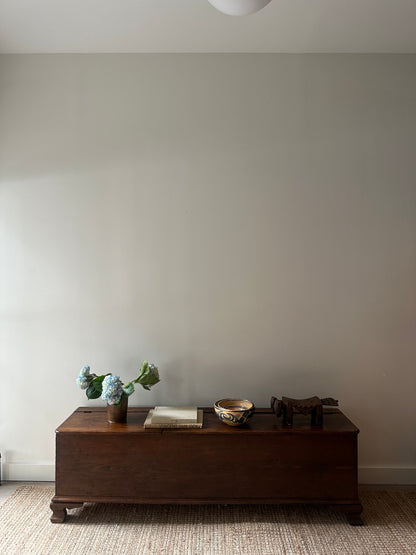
(83,380)
(85,371)
(112,389)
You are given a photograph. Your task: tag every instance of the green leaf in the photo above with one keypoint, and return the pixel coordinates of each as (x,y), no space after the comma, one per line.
(128,388)
(93,392)
(96,387)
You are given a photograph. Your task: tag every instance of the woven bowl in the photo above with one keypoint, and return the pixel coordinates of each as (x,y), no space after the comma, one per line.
(234,412)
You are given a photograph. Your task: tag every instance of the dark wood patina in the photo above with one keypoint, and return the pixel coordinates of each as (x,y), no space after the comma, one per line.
(261,462)
(312,406)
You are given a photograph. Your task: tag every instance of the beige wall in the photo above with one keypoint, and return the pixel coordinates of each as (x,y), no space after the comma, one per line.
(245,221)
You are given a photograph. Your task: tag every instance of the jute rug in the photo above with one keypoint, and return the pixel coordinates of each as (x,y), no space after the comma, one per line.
(390,527)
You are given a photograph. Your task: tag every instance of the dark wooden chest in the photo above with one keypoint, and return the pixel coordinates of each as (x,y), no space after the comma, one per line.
(262,462)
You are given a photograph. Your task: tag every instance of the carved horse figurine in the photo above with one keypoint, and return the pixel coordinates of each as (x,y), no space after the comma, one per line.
(313,406)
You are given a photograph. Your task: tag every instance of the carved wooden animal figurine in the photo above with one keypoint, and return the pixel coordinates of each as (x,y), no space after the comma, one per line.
(313,406)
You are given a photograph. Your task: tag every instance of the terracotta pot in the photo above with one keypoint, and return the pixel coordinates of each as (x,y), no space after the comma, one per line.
(118,413)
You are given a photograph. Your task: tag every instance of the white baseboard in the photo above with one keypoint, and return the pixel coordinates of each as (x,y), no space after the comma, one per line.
(28,472)
(366,475)
(401,476)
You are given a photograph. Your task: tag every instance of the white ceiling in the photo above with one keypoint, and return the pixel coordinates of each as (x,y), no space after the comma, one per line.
(195,26)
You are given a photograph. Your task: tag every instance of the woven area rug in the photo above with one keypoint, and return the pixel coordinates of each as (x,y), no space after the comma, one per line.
(389,516)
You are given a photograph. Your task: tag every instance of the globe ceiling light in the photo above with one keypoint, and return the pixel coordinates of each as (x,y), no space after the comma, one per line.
(239,7)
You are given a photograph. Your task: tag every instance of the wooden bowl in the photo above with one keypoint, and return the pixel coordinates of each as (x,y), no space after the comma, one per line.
(234,412)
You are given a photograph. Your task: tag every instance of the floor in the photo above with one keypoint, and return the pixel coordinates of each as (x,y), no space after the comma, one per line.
(8,488)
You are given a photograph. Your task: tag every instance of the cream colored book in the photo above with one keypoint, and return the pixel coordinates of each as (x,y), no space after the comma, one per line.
(173,423)
(165,415)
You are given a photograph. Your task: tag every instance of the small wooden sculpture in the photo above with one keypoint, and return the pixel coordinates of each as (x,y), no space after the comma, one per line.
(313,406)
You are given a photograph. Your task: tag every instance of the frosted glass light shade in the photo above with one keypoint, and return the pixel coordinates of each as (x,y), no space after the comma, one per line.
(238,7)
